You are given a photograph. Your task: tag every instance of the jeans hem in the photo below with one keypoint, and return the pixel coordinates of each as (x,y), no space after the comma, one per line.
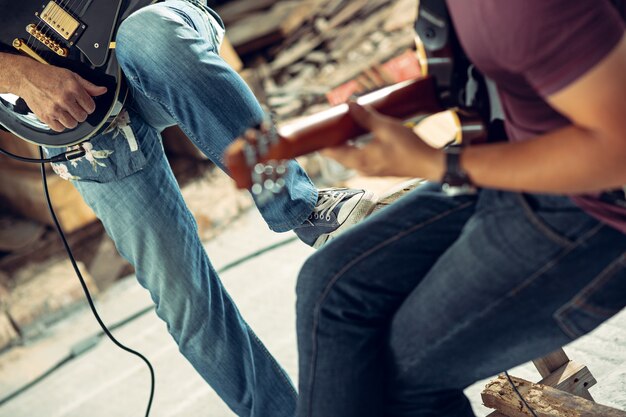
(297,219)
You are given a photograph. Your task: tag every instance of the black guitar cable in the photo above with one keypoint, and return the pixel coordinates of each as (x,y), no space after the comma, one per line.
(519,394)
(70,254)
(64,157)
(68,156)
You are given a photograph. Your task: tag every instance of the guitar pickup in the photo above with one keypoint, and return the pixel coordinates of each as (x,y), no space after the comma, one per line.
(59,20)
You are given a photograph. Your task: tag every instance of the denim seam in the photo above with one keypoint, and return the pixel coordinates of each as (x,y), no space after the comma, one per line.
(533,277)
(540,225)
(579,300)
(183,127)
(551,263)
(275,365)
(352,263)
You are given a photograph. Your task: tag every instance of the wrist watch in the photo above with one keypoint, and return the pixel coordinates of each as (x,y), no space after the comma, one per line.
(455,180)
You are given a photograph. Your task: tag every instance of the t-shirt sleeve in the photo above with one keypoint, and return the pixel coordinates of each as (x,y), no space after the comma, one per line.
(568,39)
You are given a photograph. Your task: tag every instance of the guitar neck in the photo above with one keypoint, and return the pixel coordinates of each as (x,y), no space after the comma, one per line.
(335,126)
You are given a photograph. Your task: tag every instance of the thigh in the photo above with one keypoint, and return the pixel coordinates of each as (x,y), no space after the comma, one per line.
(143,211)
(194,16)
(349,290)
(371,268)
(498,296)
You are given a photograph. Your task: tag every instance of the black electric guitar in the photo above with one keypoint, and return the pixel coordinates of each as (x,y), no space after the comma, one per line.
(74,34)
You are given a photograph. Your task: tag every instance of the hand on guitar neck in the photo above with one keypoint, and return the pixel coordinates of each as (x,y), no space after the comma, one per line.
(254,162)
(387,153)
(59,97)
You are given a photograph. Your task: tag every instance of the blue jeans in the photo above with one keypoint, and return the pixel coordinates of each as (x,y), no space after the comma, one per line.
(169,54)
(400,314)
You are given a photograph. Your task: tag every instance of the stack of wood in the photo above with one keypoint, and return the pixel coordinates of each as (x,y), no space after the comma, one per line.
(309,48)
(21,188)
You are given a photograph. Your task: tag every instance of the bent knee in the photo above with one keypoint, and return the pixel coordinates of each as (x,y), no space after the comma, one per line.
(313,281)
(146,36)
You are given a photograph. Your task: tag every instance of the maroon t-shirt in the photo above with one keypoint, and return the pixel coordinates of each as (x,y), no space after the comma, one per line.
(535,48)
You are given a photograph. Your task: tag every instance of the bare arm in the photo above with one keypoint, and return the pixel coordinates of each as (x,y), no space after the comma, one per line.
(587,156)
(59,97)
(10,78)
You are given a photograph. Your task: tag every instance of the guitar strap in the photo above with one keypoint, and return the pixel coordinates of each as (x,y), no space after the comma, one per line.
(469,89)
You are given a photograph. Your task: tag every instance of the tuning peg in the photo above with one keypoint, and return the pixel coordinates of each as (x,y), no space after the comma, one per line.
(250,154)
(257,189)
(269,169)
(268,184)
(263,144)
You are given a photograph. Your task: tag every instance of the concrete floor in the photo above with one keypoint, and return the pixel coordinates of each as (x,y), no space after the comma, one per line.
(107,382)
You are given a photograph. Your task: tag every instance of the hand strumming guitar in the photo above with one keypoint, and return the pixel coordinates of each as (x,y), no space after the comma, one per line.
(395,150)
(59,97)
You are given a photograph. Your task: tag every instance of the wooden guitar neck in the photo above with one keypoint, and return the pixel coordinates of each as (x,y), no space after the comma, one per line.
(335,126)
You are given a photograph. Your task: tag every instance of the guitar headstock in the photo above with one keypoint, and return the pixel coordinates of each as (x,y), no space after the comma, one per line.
(249,164)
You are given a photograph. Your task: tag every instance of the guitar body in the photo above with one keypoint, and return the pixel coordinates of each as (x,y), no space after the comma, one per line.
(71,34)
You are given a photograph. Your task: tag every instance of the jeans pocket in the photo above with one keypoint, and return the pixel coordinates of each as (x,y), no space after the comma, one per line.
(557,217)
(109,156)
(600,300)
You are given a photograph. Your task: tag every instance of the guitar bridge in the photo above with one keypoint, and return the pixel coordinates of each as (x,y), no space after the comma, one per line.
(22,46)
(59,20)
(46,40)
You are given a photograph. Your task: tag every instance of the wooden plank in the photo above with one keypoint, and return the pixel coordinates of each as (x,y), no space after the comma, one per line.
(545,401)
(83,243)
(47,294)
(264,29)
(573,378)
(23,191)
(550,363)
(237,10)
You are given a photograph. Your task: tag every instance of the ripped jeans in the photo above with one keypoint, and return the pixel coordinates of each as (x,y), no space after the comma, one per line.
(169,54)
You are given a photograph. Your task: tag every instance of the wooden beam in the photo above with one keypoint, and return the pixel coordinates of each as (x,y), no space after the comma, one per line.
(550,363)
(261,30)
(237,10)
(545,401)
(573,378)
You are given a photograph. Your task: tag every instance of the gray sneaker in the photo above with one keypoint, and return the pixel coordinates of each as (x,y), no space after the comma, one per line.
(336,210)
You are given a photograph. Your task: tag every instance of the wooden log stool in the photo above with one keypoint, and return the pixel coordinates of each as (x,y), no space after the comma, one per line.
(563,392)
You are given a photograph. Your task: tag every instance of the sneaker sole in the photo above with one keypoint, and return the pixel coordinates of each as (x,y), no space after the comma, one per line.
(364,207)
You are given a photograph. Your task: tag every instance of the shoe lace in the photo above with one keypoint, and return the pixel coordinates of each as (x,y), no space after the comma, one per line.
(327,202)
